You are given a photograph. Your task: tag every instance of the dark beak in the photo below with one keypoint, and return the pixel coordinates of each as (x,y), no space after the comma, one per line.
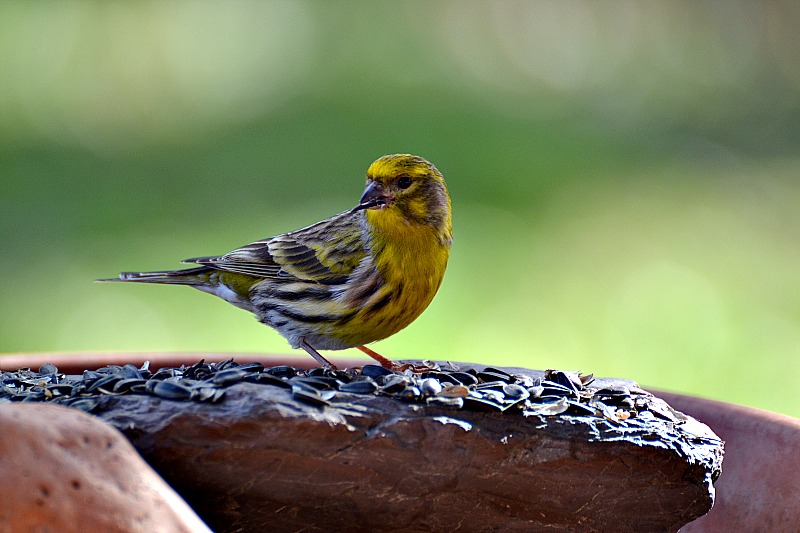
(374,196)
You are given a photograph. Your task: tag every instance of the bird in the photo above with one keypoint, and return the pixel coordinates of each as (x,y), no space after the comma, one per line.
(352,279)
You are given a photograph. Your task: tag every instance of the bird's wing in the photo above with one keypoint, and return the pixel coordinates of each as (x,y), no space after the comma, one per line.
(326,252)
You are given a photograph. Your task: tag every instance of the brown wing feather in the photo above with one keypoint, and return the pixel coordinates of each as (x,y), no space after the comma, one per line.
(326,252)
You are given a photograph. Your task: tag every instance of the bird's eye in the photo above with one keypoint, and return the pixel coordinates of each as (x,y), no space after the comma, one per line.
(404,182)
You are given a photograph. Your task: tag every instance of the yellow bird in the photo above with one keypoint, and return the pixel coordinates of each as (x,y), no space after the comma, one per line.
(354,278)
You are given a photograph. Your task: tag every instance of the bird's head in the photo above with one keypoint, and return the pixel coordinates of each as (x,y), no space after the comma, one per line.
(407,191)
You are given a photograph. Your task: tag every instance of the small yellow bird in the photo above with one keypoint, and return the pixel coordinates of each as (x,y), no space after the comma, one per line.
(354,278)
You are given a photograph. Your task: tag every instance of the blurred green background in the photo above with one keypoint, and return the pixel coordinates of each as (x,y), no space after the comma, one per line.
(624,175)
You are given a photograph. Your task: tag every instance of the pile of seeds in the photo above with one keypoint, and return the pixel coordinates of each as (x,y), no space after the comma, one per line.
(490,389)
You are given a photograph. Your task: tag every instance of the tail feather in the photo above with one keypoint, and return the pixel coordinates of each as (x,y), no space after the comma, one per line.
(187,276)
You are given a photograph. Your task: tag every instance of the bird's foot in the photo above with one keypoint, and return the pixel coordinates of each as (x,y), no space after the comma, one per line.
(396,367)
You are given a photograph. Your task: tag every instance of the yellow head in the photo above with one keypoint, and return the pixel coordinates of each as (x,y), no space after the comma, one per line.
(405,194)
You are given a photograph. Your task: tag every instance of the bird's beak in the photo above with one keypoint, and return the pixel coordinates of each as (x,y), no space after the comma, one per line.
(375,197)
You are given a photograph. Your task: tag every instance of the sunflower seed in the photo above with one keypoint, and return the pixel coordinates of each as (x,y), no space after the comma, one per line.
(495,375)
(410,394)
(442,377)
(430,387)
(395,383)
(226,364)
(282,371)
(339,375)
(311,397)
(251,367)
(48,368)
(516,392)
(170,390)
(164,373)
(268,379)
(126,385)
(105,383)
(482,404)
(547,409)
(465,378)
(536,391)
(458,403)
(570,380)
(375,371)
(455,391)
(363,386)
(227,377)
(316,382)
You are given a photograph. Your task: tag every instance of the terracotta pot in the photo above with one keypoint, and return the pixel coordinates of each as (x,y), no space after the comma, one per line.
(759,489)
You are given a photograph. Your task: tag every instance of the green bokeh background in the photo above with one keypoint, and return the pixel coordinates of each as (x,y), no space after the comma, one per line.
(624,175)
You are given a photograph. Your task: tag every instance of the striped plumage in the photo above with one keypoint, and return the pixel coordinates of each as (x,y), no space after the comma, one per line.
(354,278)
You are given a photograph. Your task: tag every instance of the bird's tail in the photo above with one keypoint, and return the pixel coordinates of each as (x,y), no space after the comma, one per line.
(186,276)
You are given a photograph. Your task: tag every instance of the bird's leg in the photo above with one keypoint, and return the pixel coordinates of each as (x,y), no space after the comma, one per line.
(385,363)
(316,355)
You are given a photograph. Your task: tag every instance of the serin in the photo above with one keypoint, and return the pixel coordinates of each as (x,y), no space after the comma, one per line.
(349,280)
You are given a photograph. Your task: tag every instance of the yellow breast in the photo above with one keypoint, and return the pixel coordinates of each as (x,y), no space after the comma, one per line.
(397,282)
